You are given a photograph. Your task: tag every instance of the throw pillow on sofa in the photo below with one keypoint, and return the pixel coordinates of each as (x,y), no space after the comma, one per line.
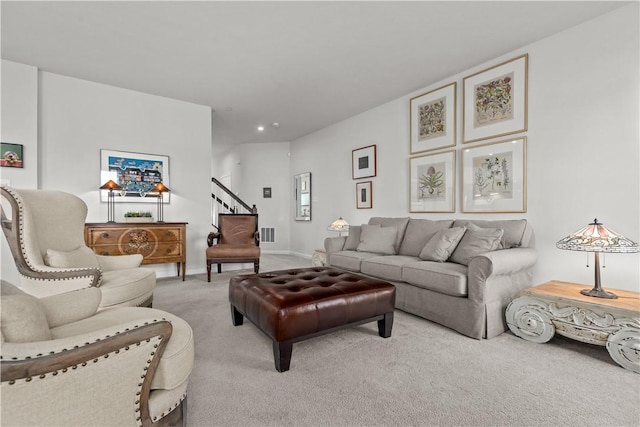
(440,247)
(376,239)
(476,241)
(82,257)
(353,239)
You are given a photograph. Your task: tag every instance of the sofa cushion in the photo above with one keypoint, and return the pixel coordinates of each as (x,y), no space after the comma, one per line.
(418,233)
(81,257)
(440,247)
(22,316)
(349,260)
(353,239)
(514,230)
(442,277)
(399,223)
(379,240)
(476,241)
(386,267)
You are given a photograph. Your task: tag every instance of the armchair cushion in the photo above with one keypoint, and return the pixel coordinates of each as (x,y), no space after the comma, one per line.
(119,262)
(71,306)
(134,285)
(22,316)
(81,257)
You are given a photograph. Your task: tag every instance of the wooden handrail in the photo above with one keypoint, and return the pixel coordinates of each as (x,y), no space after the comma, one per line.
(233,196)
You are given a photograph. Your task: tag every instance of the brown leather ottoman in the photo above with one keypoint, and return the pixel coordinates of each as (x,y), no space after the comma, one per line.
(293,305)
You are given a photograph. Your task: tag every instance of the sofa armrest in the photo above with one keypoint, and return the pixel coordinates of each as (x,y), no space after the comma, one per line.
(119,262)
(511,267)
(70,381)
(68,307)
(334,244)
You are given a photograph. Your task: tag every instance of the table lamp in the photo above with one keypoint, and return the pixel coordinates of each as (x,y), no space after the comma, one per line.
(596,238)
(339,225)
(160,188)
(110,185)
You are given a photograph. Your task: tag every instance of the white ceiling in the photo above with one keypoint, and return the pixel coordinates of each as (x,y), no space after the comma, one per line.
(305,65)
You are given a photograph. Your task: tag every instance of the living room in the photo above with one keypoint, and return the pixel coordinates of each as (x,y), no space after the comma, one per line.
(583,110)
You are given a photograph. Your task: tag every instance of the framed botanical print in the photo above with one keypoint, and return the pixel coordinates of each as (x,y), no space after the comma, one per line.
(494,177)
(363,162)
(432,182)
(363,195)
(136,173)
(433,119)
(495,101)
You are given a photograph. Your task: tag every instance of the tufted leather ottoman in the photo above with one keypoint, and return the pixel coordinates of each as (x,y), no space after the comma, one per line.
(293,305)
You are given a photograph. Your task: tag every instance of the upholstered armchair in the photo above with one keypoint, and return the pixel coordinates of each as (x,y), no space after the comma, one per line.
(66,363)
(237,239)
(45,232)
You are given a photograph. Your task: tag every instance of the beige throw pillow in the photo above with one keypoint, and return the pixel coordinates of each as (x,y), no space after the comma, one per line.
(378,240)
(353,239)
(83,257)
(440,247)
(22,319)
(476,241)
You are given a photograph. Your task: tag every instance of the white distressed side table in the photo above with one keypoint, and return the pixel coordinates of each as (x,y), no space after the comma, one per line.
(319,258)
(559,307)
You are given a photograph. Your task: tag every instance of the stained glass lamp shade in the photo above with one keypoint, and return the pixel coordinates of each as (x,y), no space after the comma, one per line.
(339,225)
(596,238)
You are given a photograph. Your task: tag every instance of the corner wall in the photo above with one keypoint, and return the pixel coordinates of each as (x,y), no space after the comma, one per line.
(583,150)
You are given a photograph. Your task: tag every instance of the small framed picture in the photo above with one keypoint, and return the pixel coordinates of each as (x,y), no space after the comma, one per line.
(494,177)
(363,162)
(363,195)
(266,192)
(495,101)
(11,155)
(432,184)
(433,119)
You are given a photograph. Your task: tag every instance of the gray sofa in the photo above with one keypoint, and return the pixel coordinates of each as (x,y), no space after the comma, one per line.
(459,273)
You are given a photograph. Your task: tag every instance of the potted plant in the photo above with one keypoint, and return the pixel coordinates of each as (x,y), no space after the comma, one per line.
(139,216)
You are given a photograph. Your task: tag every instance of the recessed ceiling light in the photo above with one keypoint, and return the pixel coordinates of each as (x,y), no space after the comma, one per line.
(275,124)
(260,128)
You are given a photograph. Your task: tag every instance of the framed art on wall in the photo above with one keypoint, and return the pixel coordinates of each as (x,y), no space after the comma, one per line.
(363,162)
(136,173)
(432,182)
(364,195)
(433,119)
(495,101)
(494,177)
(11,155)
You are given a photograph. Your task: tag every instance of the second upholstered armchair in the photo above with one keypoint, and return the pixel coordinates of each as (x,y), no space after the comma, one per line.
(45,232)
(237,239)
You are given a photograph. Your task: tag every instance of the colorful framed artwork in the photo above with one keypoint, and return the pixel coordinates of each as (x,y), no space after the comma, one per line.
(11,155)
(364,195)
(136,173)
(494,177)
(433,119)
(495,101)
(363,162)
(432,182)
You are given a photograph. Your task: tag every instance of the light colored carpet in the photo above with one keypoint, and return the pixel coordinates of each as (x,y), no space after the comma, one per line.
(423,375)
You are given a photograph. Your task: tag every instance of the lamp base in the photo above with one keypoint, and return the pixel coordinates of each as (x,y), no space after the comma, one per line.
(598,293)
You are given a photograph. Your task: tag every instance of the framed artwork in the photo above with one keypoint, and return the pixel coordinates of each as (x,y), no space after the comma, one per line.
(363,162)
(494,177)
(433,119)
(364,195)
(266,192)
(432,182)
(495,101)
(11,155)
(136,173)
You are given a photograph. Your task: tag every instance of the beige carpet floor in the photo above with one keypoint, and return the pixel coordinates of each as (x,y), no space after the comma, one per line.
(424,375)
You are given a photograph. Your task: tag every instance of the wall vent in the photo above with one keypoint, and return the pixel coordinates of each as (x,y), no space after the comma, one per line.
(267,234)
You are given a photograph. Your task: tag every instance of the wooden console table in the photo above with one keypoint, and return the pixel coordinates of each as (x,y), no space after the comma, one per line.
(559,307)
(157,242)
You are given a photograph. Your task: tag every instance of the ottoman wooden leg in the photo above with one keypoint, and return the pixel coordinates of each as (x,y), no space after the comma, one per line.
(385,325)
(236,317)
(282,355)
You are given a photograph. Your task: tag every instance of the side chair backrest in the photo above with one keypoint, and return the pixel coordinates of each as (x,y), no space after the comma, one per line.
(238,229)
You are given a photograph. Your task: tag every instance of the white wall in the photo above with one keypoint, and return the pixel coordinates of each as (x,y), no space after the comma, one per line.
(78,118)
(582,150)
(19,125)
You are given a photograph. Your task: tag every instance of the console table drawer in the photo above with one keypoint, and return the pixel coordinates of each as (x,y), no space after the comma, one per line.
(156,242)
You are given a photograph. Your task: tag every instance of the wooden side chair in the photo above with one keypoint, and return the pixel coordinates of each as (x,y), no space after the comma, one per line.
(238,241)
